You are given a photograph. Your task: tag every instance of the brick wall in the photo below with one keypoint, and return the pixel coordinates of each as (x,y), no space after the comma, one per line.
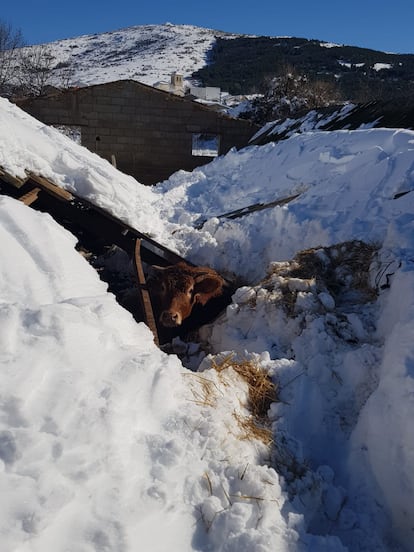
(147,130)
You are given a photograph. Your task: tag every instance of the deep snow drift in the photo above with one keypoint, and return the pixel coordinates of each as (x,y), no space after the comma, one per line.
(104,438)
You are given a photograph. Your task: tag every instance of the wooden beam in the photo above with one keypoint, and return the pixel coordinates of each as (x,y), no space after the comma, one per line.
(90,217)
(11,179)
(238,213)
(152,252)
(30,197)
(144,293)
(53,189)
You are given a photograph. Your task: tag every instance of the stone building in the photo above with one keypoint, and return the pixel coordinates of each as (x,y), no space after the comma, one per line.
(207,93)
(149,133)
(175,86)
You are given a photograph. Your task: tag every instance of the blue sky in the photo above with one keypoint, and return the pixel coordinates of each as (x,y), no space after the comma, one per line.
(385,26)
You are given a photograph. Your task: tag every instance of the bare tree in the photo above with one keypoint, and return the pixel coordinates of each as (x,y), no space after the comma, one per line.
(36,64)
(320,93)
(290,93)
(10,42)
(24,70)
(64,73)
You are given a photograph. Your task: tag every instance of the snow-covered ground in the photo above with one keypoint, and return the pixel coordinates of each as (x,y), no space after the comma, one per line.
(145,53)
(109,444)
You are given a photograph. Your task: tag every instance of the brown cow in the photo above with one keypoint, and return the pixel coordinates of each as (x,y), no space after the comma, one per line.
(178,288)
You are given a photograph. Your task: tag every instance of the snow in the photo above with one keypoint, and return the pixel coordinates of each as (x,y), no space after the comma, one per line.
(107,443)
(330,45)
(312,120)
(380,66)
(349,64)
(145,53)
(375,67)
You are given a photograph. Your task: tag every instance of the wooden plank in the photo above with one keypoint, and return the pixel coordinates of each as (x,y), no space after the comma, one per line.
(151,251)
(50,187)
(30,197)
(259,207)
(94,219)
(144,293)
(401,194)
(15,181)
(238,213)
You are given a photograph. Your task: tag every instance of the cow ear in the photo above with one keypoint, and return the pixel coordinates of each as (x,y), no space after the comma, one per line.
(206,287)
(154,271)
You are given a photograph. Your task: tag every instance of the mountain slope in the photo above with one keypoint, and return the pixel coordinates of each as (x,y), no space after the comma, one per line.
(245,64)
(147,53)
(238,63)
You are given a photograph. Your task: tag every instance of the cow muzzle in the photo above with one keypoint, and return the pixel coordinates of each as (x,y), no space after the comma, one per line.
(171,319)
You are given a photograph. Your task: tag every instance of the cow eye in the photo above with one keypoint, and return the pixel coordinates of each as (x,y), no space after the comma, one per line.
(163,288)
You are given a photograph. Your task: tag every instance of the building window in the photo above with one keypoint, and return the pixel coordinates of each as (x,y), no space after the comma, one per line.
(206,145)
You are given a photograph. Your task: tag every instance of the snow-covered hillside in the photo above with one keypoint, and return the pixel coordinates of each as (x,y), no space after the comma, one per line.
(107,443)
(145,53)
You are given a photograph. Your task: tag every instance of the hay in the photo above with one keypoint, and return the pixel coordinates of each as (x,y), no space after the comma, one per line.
(338,267)
(342,270)
(262,392)
(205,392)
(253,429)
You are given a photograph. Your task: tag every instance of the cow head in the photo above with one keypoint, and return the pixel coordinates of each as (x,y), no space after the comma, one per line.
(179,287)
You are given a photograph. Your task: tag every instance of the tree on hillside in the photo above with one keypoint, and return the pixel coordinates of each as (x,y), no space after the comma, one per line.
(290,93)
(26,71)
(36,65)
(10,42)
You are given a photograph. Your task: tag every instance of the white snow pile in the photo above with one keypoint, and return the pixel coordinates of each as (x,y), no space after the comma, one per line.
(109,444)
(381,66)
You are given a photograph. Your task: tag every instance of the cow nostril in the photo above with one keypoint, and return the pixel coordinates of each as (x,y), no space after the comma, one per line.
(170,319)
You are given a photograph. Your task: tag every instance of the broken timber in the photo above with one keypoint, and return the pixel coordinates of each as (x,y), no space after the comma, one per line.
(250,209)
(85,219)
(73,211)
(144,293)
(30,197)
